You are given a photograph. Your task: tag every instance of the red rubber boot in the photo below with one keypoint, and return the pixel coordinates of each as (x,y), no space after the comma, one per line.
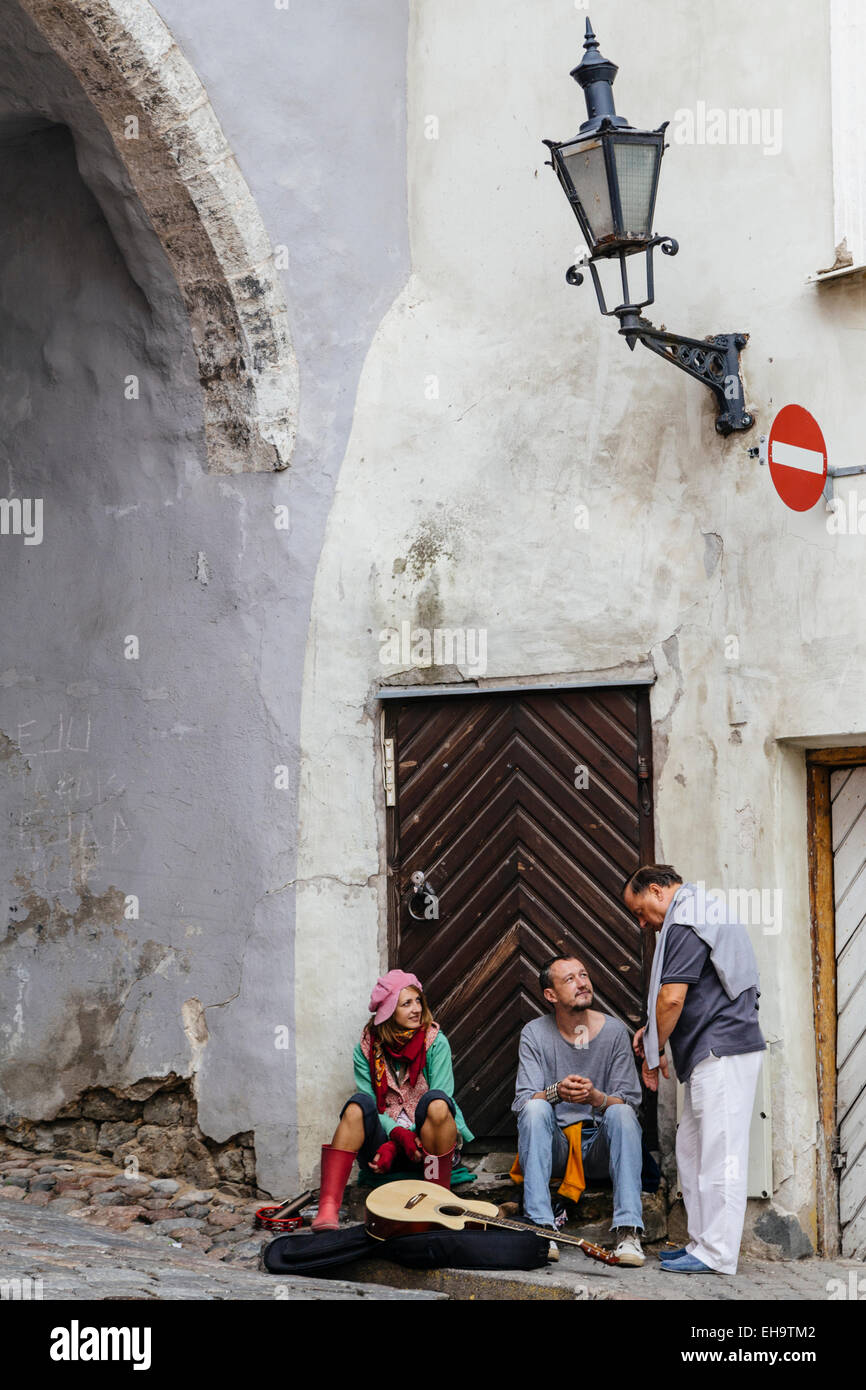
(336,1167)
(437,1167)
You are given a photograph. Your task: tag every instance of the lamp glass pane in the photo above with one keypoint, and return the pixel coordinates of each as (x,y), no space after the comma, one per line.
(586,169)
(635,165)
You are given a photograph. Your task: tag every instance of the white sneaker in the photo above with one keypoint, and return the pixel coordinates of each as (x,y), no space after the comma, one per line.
(629,1251)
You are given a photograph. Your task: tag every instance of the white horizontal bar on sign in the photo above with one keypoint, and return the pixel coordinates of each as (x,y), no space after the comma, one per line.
(793,456)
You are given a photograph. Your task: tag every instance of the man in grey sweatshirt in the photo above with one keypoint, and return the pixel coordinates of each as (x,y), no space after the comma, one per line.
(577,1065)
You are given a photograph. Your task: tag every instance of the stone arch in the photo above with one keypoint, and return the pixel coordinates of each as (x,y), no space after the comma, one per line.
(179,165)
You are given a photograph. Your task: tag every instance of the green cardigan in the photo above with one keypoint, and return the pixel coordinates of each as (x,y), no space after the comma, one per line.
(439,1074)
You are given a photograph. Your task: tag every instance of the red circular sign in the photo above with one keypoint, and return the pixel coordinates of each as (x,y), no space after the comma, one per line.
(797,456)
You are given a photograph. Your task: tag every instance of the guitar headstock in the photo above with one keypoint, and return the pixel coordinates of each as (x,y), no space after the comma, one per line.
(607,1257)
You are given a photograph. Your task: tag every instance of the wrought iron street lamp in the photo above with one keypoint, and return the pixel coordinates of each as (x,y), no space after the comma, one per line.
(609,172)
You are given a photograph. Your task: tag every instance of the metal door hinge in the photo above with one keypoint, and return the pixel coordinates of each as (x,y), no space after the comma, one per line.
(644,793)
(839,1159)
(388,772)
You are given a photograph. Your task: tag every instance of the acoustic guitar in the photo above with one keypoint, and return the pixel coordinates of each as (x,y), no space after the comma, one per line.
(397,1208)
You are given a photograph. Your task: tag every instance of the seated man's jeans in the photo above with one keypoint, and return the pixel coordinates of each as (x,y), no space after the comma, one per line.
(612,1149)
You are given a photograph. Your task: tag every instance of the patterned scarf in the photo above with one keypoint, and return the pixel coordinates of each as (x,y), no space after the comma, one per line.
(411,1048)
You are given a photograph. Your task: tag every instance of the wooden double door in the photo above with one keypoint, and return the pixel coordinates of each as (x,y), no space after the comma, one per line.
(524,812)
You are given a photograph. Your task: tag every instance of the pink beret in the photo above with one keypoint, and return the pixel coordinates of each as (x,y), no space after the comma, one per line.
(383,1000)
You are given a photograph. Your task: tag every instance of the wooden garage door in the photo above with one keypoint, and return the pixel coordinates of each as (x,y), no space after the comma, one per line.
(525,812)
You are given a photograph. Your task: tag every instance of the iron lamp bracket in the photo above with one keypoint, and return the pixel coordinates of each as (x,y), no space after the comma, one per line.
(714,361)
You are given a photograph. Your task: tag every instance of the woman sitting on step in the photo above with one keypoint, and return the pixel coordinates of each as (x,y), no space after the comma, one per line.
(403,1114)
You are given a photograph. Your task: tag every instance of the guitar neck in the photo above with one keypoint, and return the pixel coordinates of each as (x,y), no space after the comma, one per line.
(507,1225)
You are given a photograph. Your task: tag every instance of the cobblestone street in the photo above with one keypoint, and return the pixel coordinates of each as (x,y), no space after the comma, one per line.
(69,1259)
(78,1227)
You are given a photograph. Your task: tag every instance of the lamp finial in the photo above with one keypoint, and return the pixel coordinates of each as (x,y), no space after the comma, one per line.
(595,75)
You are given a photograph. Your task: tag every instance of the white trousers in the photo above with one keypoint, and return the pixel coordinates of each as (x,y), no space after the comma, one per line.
(713,1155)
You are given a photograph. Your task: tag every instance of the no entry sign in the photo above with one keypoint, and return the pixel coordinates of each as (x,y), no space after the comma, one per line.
(798,458)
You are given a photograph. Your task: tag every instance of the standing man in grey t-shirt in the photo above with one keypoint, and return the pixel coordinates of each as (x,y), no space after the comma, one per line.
(576,1065)
(703,999)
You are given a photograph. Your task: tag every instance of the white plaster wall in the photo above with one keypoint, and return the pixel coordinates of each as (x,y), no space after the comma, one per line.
(459,511)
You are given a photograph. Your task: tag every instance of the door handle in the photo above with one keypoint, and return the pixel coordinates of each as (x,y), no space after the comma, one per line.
(422,903)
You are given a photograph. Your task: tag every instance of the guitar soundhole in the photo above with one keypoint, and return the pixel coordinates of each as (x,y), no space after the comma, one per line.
(451,1211)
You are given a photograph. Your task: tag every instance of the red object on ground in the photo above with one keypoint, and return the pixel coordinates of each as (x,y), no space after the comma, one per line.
(265,1220)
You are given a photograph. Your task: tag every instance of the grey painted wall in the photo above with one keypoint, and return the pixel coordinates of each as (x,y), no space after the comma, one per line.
(155,777)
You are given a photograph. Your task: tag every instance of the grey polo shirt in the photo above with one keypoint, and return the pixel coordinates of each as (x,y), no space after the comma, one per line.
(607,1060)
(710,1021)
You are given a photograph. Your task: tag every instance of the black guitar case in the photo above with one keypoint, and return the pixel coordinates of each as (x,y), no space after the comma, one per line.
(320,1252)
(315,1252)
